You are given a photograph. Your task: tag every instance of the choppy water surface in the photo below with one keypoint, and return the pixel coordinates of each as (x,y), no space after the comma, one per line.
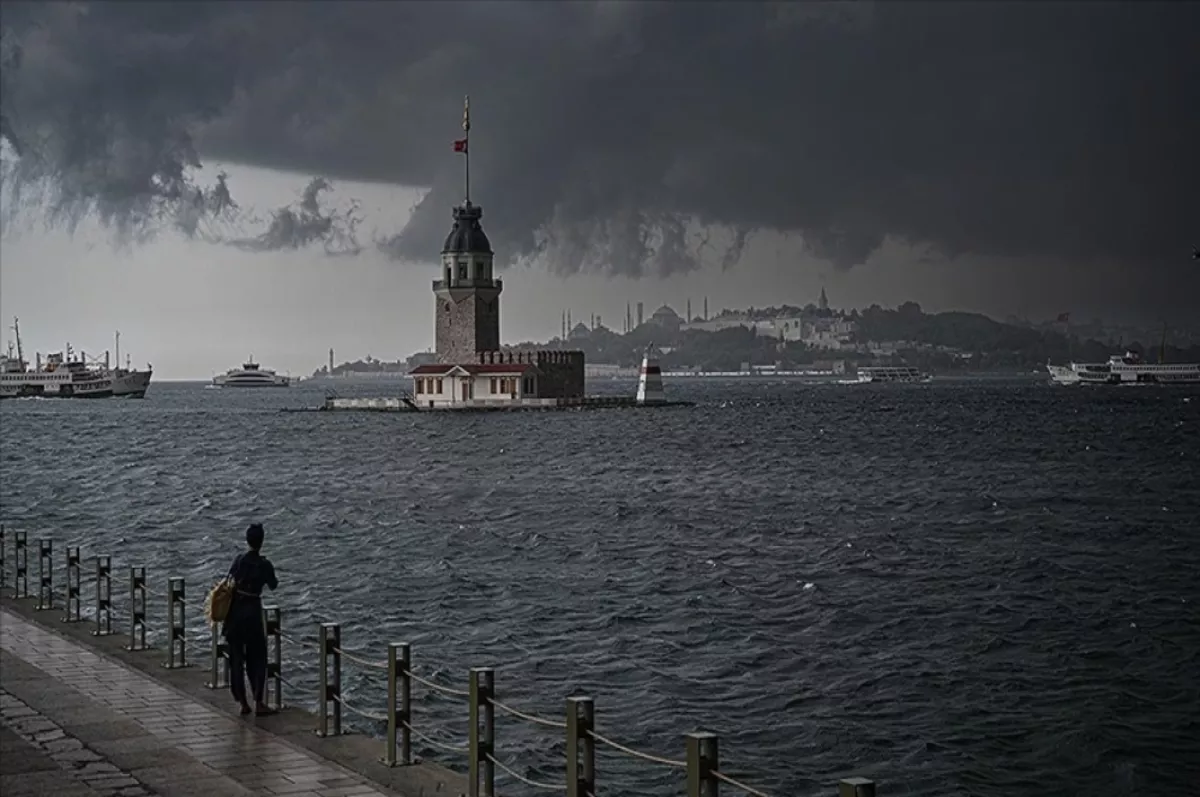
(984,588)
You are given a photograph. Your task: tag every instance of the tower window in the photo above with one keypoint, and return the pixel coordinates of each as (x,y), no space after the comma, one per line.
(462,272)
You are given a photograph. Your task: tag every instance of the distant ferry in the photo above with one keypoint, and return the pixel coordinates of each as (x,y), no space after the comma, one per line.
(891,373)
(251,375)
(67,376)
(1125,369)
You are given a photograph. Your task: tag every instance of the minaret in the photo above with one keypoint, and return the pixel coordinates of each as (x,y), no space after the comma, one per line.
(823,302)
(468,294)
(331,361)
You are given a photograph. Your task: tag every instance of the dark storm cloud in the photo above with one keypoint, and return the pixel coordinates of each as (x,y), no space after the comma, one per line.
(306,223)
(616,136)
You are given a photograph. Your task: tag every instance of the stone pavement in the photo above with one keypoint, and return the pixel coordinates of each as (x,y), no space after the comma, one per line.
(74,722)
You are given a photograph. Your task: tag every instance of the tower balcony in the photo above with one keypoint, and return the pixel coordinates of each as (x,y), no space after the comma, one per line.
(439,285)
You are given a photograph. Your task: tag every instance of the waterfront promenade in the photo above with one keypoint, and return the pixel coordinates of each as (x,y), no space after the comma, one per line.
(79,716)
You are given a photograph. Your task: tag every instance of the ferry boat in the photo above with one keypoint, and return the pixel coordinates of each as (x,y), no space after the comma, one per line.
(1125,369)
(66,376)
(251,375)
(891,373)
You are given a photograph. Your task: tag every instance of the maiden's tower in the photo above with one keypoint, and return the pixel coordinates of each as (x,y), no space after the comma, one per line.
(473,368)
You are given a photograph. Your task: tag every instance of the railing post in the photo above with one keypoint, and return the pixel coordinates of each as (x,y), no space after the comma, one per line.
(20,565)
(137,609)
(482,740)
(45,575)
(74,584)
(856,787)
(176,627)
(399,714)
(219,659)
(103,596)
(702,761)
(329,641)
(273,622)
(581,748)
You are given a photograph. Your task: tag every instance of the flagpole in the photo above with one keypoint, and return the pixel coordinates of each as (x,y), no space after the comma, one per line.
(467,143)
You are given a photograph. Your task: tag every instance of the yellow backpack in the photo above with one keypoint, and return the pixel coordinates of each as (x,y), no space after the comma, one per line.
(216,607)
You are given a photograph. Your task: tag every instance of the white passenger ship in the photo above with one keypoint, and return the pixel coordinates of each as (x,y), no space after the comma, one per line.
(891,373)
(66,376)
(251,375)
(1125,369)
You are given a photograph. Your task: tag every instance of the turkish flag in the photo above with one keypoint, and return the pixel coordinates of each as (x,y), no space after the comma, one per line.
(460,145)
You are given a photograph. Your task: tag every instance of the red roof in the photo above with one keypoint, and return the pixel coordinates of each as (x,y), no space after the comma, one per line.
(441,369)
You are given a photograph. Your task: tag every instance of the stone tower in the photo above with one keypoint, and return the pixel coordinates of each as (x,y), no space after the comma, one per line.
(468,294)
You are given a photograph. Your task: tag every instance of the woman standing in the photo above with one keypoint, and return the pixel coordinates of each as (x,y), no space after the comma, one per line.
(244,629)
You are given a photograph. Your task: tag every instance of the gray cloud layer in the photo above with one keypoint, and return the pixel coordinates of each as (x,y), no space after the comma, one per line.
(605,134)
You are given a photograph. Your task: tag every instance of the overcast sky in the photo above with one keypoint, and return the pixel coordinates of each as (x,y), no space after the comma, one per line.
(1008,158)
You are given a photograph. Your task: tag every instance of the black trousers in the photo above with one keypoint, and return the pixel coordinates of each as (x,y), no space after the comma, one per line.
(247,651)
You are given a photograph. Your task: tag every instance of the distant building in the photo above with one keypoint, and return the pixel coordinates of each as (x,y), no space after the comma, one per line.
(666,317)
(719,323)
(817,331)
(422,358)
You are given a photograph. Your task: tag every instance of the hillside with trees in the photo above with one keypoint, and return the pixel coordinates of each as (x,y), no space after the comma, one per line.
(938,342)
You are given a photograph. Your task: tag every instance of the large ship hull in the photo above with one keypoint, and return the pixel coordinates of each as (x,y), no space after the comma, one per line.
(122,384)
(888,373)
(245,383)
(1116,372)
(102,389)
(132,384)
(1063,375)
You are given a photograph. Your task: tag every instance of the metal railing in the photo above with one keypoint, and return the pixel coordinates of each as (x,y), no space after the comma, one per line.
(700,767)
(137,609)
(74,603)
(45,600)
